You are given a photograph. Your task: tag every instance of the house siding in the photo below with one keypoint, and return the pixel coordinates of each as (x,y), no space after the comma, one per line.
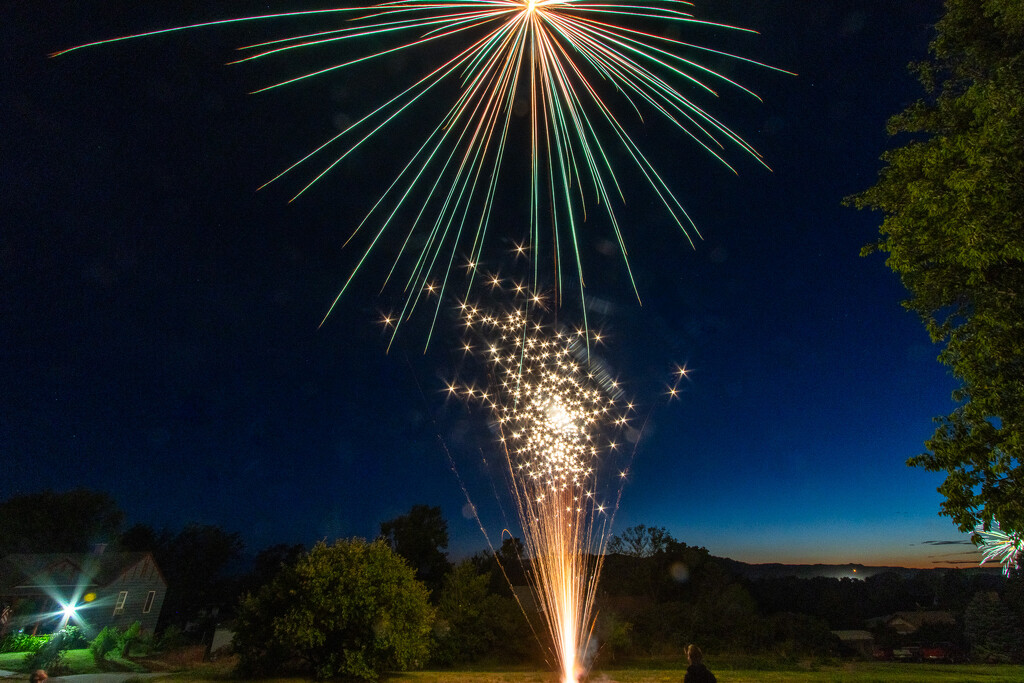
(137,581)
(34,585)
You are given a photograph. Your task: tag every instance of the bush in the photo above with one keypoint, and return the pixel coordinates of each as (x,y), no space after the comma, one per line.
(473,623)
(353,609)
(51,655)
(74,638)
(22,642)
(128,636)
(104,642)
(171,638)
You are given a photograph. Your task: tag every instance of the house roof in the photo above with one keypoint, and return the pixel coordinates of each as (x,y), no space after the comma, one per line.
(917,619)
(24,573)
(849,636)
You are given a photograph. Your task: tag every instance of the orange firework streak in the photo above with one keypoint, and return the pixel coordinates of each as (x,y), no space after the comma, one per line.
(572,62)
(553,407)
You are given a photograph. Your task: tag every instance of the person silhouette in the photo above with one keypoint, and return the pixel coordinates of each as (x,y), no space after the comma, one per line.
(697,672)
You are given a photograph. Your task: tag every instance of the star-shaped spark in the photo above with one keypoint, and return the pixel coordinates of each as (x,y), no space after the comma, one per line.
(1001,546)
(551,400)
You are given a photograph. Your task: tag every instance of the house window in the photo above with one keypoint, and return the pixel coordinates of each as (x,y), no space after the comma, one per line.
(150,596)
(121,598)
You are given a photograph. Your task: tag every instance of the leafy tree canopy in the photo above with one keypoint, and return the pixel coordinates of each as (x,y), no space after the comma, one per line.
(474,623)
(640,541)
(65,522)
(352,609)
(421,537)
(953,229)
(992,630)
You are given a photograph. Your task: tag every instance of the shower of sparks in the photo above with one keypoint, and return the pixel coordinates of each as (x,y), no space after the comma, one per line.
(554,406)
(1005,548)
(566,66)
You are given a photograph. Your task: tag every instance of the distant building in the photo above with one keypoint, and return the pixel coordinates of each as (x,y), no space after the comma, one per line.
(860,643)
(40,593)
(906,623)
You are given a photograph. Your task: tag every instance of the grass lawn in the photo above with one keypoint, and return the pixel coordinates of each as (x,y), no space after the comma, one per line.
(80,661)
(856,672)
(75,662)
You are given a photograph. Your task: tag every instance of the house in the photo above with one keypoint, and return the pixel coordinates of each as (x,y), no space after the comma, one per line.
(906,623)
(860,643)
(41,593)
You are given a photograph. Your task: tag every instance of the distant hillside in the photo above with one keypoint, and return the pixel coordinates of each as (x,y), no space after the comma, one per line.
(755,572)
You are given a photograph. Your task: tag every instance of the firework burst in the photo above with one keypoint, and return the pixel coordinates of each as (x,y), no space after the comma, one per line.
(564,68)
(555,410)
(1006,548)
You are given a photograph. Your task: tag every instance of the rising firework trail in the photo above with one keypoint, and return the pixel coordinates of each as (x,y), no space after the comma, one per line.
(581,76)
(555,412)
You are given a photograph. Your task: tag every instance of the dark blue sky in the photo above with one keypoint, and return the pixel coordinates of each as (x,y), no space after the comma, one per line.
(160,317)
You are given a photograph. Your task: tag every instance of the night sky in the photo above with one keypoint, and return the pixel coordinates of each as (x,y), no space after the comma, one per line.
(160,317)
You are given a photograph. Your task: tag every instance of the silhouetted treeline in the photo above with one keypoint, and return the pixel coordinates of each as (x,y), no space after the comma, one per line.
(655,594)
(849,603)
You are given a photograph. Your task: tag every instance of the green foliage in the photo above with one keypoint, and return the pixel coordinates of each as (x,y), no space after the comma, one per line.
(421,537)
(992,630)
(104,643)
(74,638)
(71,521)
(51,655)
(22,642)
(615,635)
(953,230)
(351,609)
(127,637)
(171,638)
(473,623)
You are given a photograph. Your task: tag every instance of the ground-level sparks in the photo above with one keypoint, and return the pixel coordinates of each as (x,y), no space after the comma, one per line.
(553,406)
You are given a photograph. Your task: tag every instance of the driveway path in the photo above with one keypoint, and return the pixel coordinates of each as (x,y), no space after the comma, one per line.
(118,677)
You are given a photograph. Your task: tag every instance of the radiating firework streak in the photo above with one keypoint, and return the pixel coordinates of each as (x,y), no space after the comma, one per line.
(549,57)
(554,410)
(1001,546)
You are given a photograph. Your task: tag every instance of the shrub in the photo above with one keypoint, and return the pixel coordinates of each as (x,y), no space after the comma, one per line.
(50,656)
(22,642)
(473,623)
(171,638)
(353,609)
(74,638)
(128,636)
(104,642)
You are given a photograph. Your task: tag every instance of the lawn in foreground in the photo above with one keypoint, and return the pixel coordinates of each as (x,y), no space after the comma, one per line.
(75,662)
(856,672)
(840,672)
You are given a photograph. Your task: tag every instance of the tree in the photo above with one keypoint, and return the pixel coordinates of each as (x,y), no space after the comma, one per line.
(992,629)
(70,522)
(505,566)
(953,230)
(352,609)
(421,537)
(268,562)
(473,622)
(640,541)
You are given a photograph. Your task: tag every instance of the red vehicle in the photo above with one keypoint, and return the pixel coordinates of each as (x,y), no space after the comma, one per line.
(939,652)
